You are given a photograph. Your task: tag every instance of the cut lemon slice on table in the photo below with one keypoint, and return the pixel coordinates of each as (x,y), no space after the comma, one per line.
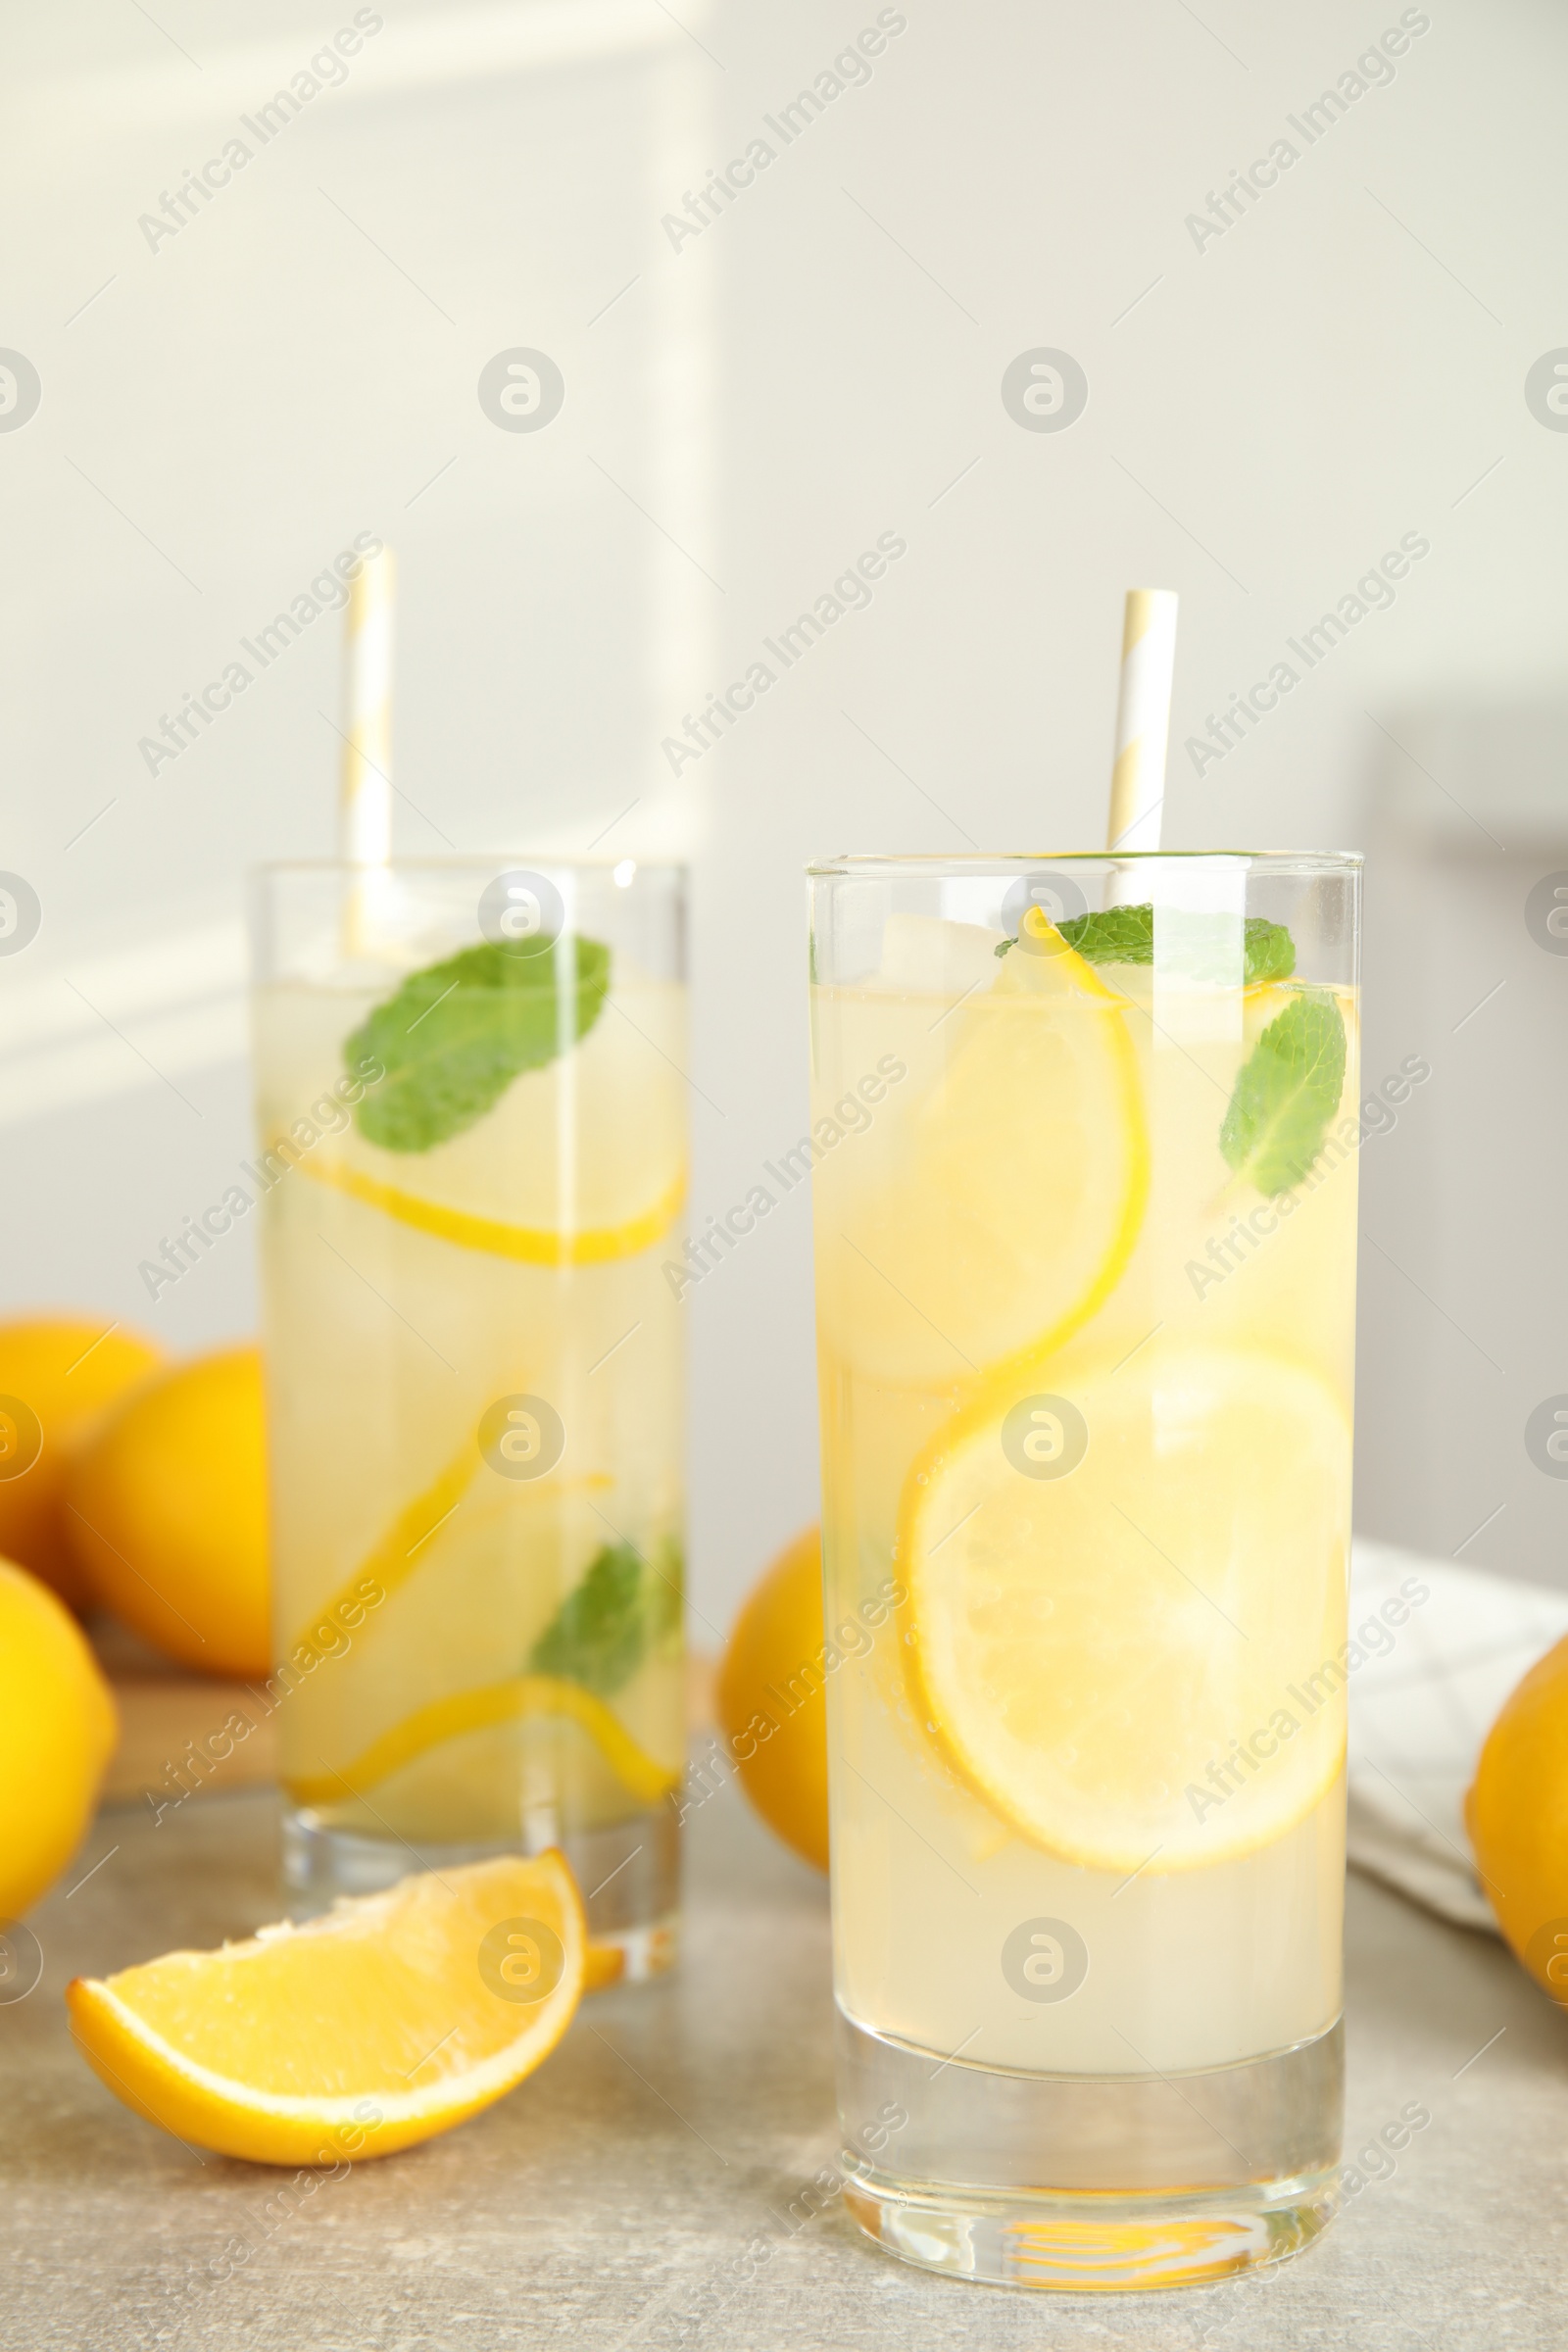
(998,1207)
(1127,1603)
(390,2019)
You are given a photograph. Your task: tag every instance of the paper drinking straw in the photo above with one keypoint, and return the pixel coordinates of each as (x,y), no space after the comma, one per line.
(365,804)
(1142,718)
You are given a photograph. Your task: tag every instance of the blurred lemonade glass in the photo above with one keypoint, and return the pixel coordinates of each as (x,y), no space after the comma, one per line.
(472,1123)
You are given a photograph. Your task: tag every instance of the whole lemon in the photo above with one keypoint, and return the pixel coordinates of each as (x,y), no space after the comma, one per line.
(770,1698)
(56,1376)
(58,1726)
(1517,1816)
(169,1513)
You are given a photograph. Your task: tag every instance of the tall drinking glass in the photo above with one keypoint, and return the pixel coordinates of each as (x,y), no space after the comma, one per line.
(1085,1209)
(472,1149)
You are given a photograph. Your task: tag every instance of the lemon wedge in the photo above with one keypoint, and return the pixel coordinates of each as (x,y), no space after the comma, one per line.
(996,1210)
(390,2019)
(1127,1603)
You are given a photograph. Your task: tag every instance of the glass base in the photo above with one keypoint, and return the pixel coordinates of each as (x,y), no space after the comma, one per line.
(629,1875)
(1090,2183)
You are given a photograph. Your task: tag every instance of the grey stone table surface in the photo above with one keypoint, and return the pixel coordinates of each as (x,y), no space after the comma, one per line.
(637,2191)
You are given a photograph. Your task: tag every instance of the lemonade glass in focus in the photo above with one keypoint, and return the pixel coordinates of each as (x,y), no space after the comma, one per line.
(472,1139)
(1084,1230)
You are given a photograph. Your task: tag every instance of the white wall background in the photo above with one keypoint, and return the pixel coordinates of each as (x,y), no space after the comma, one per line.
(743,414)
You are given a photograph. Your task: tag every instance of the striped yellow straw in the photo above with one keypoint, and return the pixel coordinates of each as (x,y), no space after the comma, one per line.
(364,800)
(364,808)
(1142,718)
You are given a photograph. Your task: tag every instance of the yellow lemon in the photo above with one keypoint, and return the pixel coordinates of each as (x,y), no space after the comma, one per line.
(770,1698)
(167,1511)
(56,1376)
(57,1728)
(1517,1816)
(1114,1591)
(389,2019)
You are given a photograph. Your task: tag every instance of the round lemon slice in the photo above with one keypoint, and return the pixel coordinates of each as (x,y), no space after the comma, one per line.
(995,1209)
(1127,1603)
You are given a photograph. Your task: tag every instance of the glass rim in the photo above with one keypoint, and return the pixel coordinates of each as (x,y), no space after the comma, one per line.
(881,866)
(487,861)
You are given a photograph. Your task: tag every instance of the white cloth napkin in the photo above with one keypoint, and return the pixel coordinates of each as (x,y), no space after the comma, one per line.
(1423,1696)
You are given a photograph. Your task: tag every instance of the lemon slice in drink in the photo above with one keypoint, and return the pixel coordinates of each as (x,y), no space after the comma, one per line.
(502,1237)
(1127,1603)
(520,1701)
(577,1162)
(995,1207)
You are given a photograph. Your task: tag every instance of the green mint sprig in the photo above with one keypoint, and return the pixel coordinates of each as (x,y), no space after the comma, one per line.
(1269,952)
(623,1608)
(1126,935)
(453,1037)
(1286,1093)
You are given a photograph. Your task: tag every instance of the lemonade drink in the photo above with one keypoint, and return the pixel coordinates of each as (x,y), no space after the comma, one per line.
(475,1135)
(1086,1292)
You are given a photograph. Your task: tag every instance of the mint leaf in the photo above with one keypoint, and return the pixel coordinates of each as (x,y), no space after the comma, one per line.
(1286,1093)
(454,1037)
(1117,935)
(1126,935)
(1270,951)
(605,1625)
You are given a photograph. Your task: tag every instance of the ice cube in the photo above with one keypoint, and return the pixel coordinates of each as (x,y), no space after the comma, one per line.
(924,952)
